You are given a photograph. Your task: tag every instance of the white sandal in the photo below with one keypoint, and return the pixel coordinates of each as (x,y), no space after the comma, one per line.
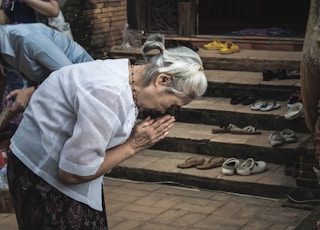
(229,166)
(250,166)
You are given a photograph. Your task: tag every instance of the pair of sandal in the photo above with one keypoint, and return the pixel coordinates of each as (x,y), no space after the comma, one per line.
(201,163)
(233,129)
(281,74)
(278,138)
(225,48)
(265,106)
(247,167)
(243,99)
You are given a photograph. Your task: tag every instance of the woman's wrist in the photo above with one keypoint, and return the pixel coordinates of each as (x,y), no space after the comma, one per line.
(129,149)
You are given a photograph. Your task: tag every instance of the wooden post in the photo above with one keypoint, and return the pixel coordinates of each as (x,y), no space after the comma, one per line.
(186,18)
(310,67)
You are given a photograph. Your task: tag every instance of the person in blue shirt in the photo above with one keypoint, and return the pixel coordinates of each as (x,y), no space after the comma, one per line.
(27,11)
(34,50)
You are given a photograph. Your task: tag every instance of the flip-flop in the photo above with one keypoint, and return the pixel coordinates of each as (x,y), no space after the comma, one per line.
(288,136)
(259,104)
(275,138)
(247,130)
(213,162)
(191,162)
(231,128)
(225,128)
(270,106)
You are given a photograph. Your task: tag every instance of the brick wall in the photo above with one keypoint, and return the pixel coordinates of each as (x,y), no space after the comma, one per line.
(96,24)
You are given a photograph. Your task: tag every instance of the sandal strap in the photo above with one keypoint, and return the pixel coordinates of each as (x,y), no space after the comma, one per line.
(250,128)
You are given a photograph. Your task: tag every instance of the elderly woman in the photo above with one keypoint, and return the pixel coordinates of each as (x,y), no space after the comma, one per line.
(81,122)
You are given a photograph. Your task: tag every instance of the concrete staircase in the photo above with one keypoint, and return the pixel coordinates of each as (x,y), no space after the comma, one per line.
(239,73)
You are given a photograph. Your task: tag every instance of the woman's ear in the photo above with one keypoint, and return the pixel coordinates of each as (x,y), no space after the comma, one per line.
(164,79)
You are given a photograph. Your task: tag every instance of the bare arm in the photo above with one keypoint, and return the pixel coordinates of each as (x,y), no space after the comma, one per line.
(49,9)
(144,135)
(2,71)
(22,98)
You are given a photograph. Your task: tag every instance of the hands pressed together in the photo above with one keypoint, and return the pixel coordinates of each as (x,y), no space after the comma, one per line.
(145,134)
(150,131)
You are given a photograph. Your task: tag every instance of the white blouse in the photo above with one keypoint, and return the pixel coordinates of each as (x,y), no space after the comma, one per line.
(75,115)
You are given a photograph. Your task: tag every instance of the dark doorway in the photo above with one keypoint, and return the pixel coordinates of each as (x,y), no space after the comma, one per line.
(222,17)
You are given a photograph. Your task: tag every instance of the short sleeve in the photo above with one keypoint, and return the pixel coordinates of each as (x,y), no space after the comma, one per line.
(97,122)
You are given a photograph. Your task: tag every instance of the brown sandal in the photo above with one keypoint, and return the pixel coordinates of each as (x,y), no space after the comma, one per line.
(191,162)
(213,162)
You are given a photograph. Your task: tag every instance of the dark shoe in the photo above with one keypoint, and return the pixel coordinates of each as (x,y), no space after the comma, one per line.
(243,99)
(282,74)
(293,74)
(268,75)
(236,99)
(247,100)
(189,45)
(174,43)
(294,98)
(290,74)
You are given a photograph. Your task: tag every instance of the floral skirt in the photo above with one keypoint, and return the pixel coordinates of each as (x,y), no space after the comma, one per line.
(38,205)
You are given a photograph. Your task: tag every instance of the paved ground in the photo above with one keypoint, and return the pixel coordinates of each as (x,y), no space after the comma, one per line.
(144,206)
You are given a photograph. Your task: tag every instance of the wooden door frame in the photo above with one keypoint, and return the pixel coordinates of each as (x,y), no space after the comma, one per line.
(186,18)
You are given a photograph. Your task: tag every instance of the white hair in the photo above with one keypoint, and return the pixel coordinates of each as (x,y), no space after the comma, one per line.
(182,63)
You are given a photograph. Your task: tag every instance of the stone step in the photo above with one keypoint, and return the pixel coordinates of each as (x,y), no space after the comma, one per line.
(244,42)
(199,139)
(219,111)
(251,60)
(237,73)
(245,60)
(222,83)
(161,166)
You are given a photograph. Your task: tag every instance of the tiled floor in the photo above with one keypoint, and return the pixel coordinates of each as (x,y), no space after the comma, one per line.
(144,206)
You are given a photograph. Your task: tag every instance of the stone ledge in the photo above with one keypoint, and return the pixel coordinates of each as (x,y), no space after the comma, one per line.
(160,166)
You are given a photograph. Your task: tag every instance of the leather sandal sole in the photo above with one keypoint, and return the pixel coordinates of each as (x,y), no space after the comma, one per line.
(213,162)
(191,162)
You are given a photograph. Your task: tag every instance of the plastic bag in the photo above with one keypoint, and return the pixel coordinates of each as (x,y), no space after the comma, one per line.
(61,25)
(131,38)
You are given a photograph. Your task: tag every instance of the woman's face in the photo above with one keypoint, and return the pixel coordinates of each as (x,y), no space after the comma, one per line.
(154,97)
